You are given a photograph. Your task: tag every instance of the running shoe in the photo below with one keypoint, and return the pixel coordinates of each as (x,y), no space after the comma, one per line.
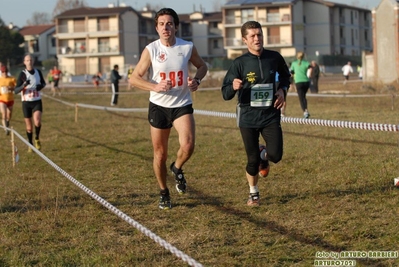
(181,183)
(37,144)
(164,202)
(264,168)
(253,199)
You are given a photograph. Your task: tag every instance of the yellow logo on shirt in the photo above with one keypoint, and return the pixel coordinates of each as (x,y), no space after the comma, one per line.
(251,77)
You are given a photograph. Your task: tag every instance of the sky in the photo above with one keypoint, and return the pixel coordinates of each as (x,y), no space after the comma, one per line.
(19,11)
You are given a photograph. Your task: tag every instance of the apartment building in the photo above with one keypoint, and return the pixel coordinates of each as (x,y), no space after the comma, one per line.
(205,30)
(94,39)
(39,41)
(314,26)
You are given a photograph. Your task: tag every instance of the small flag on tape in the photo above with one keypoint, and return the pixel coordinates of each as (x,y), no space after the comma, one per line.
(16,155)
(396,182)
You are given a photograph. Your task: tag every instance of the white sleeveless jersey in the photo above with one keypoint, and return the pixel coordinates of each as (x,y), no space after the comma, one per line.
(171,63)
(29,93)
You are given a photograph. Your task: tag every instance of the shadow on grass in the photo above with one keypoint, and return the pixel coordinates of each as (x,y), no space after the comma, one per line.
(273,226)
(96,144)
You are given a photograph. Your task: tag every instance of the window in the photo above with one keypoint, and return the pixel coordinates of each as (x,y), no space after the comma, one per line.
(247,14)
(80,46)
(215,44)
(79,25)
(103,24)
(273,15)
(103,45)
(80,66)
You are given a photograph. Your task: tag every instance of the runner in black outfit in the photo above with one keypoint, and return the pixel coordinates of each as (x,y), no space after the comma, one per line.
(252,78)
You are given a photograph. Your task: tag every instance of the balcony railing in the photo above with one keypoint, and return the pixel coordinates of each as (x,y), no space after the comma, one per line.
(269,41)
(84,28)
(100,49)
(270,19)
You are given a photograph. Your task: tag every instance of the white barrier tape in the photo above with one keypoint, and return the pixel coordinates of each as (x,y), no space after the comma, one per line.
(344,124)
(113,209)
(330,123)
(344,95)
(320,122)
(111,108)
(215,113)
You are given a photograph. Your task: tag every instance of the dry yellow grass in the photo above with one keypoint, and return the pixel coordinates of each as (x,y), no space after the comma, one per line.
(333,190)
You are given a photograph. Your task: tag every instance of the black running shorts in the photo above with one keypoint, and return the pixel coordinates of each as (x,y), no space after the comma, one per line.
(29,107)
(162,118)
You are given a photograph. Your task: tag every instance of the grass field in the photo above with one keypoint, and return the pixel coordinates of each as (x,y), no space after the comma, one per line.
(332,192)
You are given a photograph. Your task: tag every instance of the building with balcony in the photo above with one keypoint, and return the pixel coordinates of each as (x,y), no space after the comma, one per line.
(94,39)
(39,41)
(314,26)
(205,30)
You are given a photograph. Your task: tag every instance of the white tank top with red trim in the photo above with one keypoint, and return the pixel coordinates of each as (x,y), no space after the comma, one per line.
(29,93)
(171,63)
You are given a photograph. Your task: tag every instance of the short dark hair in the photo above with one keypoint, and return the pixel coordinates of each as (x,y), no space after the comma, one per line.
(249,25)
(167,11)
(116,66)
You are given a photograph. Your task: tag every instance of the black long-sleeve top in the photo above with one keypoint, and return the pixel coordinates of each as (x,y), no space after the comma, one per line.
(255,70)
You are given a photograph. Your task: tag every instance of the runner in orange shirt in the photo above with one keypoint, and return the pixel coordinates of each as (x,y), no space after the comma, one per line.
(56,75)
(7,85)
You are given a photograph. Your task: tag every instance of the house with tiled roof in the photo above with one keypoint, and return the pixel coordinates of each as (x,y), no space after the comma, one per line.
(39,41)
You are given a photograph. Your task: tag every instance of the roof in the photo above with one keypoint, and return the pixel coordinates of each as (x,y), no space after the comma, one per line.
(36,29)
(251,2)
(287,2)
(210,16)
(91,11)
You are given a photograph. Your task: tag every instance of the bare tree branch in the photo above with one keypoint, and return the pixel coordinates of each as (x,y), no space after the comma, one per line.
(39,18)
(64,5)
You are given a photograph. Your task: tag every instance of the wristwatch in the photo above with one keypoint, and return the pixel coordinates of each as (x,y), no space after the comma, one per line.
(198,80)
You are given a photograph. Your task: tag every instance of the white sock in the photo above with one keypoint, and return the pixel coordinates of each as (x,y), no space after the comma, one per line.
(253,189)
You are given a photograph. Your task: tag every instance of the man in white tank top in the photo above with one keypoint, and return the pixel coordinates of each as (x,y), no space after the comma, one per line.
(29,84)
(170,87)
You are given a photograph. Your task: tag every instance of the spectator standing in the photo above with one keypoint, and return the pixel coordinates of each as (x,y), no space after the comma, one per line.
(115,77)
(252,76)
(299,68)
(29,84)
(170,87)
(314,77)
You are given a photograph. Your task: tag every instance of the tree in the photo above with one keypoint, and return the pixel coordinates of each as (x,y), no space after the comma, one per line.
(64,5)
(10,41)
(39,18)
